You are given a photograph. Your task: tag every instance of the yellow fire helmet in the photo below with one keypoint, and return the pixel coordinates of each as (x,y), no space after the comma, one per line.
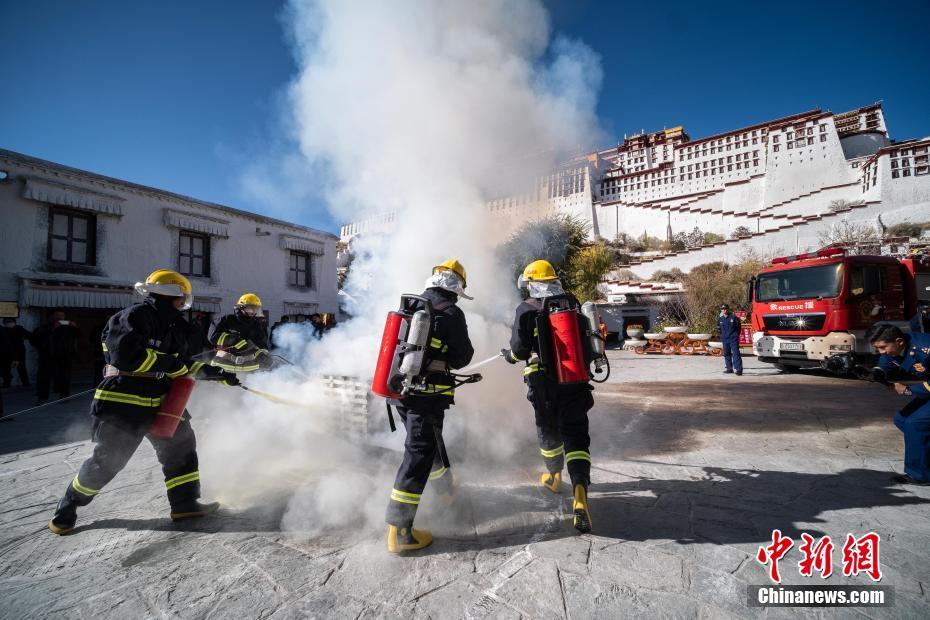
(249,299)
(455,267)
(168,283)
(539,271)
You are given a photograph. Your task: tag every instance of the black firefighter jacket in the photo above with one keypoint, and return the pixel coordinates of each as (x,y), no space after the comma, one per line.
(149,337)
(232,329)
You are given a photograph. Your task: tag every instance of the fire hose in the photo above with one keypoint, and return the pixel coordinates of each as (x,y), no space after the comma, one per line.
(467,370)
(272,398)
(54,402)
(267,396)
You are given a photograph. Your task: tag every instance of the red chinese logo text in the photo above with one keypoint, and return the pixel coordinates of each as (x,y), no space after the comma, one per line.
(860,555)
(773,553)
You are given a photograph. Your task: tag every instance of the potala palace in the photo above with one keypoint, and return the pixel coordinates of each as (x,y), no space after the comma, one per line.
(784,181)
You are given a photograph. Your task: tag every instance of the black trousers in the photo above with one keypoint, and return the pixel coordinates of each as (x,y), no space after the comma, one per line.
(53,374)
(562,426)
(6,372)
(115,444)
(422,462)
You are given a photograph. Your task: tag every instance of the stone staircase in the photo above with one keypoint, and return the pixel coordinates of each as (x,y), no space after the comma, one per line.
(810,224)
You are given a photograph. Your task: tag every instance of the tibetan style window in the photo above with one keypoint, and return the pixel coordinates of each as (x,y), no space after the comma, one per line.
(71,237)
(194,254)
(300,272)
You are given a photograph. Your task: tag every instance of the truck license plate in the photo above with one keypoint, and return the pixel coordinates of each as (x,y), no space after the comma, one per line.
(792,346)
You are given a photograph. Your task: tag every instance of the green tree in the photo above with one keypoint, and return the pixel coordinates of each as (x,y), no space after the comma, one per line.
(673,275)
(585,270)
(678,243)
(740,231)
(556,239)
(906,229)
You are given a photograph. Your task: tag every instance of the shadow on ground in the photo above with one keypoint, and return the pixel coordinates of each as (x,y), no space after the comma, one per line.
(667,417)
(724,507)
(51,425)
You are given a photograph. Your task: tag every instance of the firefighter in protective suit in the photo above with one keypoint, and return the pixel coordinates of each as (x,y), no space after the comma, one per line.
(423,412)
(145,347)
(240,338)
(561,410)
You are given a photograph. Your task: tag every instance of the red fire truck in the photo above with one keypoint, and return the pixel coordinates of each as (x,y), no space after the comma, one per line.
(812,310)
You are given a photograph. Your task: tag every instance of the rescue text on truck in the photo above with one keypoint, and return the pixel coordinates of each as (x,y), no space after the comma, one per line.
(812,310)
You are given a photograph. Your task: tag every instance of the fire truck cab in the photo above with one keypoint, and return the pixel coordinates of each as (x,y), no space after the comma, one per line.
(812,310)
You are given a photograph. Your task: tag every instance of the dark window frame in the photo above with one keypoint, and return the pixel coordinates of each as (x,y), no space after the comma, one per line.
(189,256)
(868,280)
(90,241)
(294,270)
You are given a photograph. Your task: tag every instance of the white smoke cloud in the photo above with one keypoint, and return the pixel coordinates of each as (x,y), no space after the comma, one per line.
(424,110)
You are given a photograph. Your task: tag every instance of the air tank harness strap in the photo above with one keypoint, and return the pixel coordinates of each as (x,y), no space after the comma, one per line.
(441,447)
(390,417)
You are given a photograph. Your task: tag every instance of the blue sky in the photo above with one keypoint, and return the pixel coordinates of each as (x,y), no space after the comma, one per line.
(177,95)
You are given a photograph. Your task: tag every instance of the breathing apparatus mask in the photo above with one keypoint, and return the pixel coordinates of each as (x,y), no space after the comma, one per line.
(250,311)
(448,280)
(540,289)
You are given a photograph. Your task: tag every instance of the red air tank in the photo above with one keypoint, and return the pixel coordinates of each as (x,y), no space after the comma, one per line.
(172,408)
(389,341)
(570,366)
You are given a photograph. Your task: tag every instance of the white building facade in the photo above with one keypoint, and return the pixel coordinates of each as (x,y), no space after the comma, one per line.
(780,183)
(78,241)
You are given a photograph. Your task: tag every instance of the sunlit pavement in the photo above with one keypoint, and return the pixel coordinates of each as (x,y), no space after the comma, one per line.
(693,470)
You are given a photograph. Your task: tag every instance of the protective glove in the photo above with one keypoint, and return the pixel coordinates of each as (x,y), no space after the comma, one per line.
(505,353)
(230,378)
(264,359)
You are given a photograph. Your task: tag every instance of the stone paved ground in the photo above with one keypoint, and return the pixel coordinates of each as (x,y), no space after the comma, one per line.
(691,474)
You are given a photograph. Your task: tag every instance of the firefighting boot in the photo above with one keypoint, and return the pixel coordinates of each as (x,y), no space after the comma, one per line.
(407,539)
(553,482)
(64,518)
(582,518)
(193,509)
